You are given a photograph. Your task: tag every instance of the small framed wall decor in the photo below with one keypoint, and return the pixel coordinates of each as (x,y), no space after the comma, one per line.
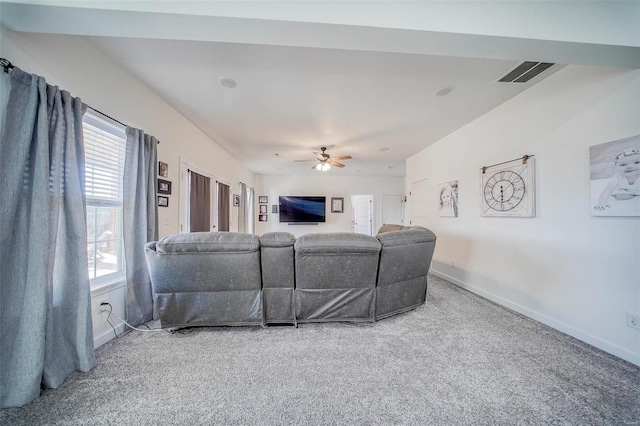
(263,199)
(236,200)
(337,205)
(448,199)
(263,208)
(164,186)
(263,218)
(163,201)
(163,169)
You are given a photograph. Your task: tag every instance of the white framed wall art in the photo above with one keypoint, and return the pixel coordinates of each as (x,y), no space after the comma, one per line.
(615,177)
(508,189)
(448,199)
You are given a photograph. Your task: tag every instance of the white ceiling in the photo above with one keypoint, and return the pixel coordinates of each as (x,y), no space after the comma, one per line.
(303,85)
(290,100)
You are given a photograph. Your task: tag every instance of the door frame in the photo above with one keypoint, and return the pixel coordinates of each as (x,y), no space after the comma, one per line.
(183,211)
(371,212)
(402,207)
(411,199)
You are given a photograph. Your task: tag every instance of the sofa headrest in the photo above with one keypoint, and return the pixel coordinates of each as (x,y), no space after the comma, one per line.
(390,227)
(277,239)
(208,242)
(336,243)
(406,235)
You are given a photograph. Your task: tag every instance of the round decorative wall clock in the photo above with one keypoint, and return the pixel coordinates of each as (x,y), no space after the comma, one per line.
(508,190)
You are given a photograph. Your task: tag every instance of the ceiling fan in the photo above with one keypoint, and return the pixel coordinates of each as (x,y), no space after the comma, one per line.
(325,161)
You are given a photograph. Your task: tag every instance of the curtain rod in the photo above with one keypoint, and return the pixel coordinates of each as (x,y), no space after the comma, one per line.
(7,65)
(111,118)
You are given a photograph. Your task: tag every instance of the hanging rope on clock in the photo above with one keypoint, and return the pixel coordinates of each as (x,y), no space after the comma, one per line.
(524,161)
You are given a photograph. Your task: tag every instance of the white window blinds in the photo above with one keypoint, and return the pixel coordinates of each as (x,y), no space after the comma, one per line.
(104,142)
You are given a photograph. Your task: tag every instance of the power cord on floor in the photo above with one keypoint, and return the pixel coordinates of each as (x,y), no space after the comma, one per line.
(108,316)
(182,331)
(123,321)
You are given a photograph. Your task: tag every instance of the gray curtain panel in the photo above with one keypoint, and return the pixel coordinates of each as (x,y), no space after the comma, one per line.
(140,221)
(243,212)
(199,202)
(245,216)
(250,208)
(223,207)
(45,314)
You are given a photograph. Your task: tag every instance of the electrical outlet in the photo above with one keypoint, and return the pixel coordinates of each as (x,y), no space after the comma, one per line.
(103,308)
(633,320)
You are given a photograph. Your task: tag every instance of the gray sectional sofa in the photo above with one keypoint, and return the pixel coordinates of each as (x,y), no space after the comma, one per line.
(213,279)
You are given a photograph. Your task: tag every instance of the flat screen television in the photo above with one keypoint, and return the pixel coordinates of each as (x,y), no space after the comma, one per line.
(294,209)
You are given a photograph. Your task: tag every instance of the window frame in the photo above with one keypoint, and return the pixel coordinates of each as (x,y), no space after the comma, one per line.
(116,131)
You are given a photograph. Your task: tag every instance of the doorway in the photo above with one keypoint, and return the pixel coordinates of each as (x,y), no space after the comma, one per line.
(419,202)
(204,200)
(362,214)
(392,209)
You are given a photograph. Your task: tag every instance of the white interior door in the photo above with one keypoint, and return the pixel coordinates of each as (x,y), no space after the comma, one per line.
(392,209)
(419,202)
(362,214)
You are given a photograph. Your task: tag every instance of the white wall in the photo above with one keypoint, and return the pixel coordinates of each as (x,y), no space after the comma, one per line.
(577,273)
(330,186)
(75,65)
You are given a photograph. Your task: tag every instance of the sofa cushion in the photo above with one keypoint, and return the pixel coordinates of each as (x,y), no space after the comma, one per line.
(208,242)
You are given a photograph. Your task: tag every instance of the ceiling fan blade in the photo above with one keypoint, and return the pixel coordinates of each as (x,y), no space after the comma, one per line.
(342,157)
(314,166)
(336,164)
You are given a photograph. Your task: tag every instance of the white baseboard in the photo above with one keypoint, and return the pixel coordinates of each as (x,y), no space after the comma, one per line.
(107,335)
(558,325)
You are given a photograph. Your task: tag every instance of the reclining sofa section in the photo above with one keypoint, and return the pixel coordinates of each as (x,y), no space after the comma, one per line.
(212,279)
(336,277)
(206,278)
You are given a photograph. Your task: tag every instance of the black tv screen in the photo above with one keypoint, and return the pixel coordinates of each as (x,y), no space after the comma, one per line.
(302,209)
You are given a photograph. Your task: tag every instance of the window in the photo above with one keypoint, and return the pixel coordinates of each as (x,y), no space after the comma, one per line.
(104,143)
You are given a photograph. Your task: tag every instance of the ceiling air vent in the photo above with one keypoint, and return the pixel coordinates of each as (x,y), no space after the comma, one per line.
(525,72)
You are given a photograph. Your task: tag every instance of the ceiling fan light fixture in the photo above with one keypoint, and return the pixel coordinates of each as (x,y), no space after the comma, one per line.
(325,161)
